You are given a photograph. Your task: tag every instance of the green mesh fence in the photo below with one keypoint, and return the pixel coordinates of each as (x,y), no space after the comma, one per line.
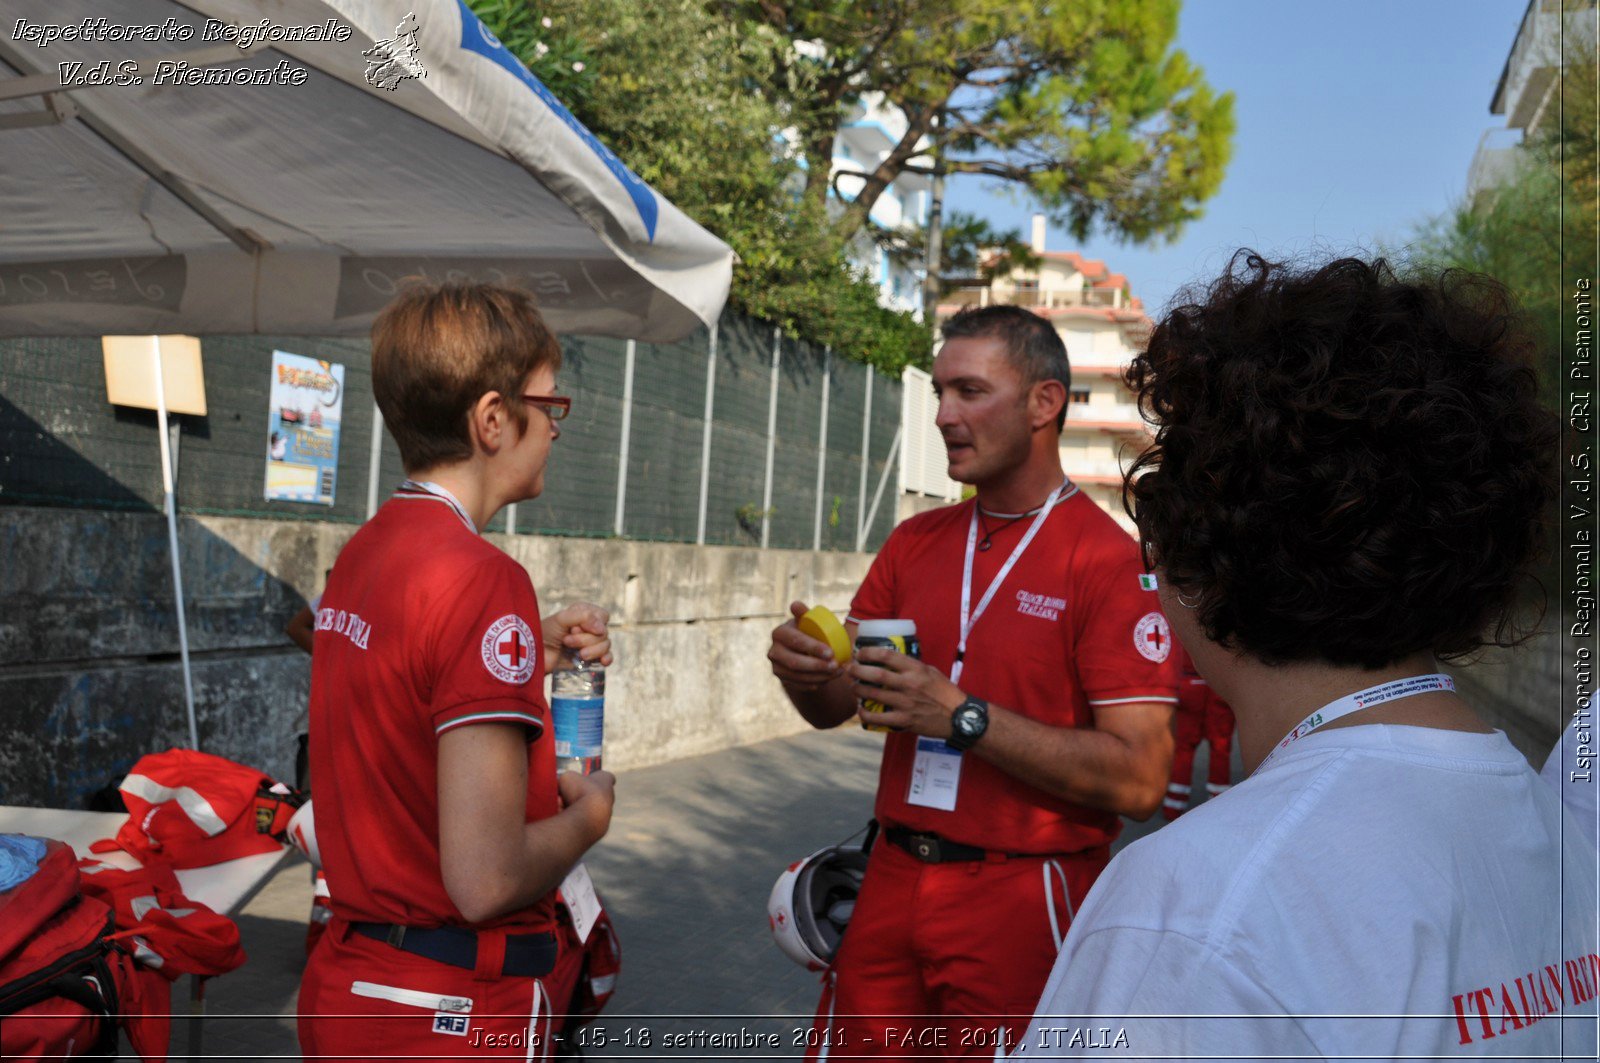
(63,444)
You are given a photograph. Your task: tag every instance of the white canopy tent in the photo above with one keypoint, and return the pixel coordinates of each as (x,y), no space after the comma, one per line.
(166,206)
(292,185)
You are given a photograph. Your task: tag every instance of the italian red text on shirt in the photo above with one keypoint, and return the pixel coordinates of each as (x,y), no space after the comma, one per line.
(1493,1011)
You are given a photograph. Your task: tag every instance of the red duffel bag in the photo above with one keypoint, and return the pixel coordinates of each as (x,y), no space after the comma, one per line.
(61,980)
(193,809)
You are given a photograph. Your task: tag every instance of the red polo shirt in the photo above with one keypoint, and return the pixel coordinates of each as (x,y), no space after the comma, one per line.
(1070,633)
(424,627)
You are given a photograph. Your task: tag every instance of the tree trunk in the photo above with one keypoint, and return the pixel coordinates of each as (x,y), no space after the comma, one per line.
(859,210)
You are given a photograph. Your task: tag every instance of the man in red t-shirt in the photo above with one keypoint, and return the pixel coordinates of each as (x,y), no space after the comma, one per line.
(1202,717)
(443,827)
(1037,714)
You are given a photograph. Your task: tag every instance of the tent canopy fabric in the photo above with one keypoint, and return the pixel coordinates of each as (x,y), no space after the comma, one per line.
(276,188)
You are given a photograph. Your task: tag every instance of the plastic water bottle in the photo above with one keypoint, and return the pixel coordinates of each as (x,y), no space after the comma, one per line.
(578,706)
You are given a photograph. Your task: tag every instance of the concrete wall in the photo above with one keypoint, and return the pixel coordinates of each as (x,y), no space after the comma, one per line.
(89,678)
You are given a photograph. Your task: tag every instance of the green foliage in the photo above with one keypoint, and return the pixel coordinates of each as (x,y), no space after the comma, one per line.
(1536,232)
(973,250)
(750,515)
(670,86)
(556,57)
(730,108)
(1086,105)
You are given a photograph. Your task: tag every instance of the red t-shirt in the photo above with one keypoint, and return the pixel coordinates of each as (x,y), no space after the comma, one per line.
(1071,632)
(423,627)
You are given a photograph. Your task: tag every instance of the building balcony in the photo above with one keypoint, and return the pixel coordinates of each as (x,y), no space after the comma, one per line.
(987,295)
(1536,57)
(1098,473)
(1119,417)
(1494,164)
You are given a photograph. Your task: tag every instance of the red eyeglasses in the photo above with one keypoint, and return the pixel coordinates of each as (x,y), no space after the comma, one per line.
(555,407)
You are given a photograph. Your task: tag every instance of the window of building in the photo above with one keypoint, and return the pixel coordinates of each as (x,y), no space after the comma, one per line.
(1079,396)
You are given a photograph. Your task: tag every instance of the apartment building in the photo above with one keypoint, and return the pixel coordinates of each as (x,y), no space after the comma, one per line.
(1526,91)
(1103,325)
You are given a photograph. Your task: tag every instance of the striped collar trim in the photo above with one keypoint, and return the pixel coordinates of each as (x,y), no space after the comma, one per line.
(413,491)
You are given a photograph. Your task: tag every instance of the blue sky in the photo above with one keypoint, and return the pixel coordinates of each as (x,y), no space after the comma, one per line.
(1357,119)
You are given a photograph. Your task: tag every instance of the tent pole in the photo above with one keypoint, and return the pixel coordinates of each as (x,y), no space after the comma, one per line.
(171,505)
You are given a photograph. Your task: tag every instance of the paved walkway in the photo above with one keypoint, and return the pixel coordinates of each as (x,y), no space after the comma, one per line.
(692,854)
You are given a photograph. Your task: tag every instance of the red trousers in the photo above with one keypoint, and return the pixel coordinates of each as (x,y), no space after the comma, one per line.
(1201,717)
(360,999)
(947,959)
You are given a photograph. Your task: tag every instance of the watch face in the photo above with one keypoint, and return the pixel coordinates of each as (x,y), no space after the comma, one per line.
(968,720)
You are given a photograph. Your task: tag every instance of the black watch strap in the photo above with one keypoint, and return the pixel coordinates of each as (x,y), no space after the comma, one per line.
(968,722)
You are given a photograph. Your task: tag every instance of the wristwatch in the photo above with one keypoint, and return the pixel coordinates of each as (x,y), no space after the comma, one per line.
(968,723)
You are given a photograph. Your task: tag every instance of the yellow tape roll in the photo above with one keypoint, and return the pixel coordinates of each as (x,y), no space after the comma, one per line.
(820,623)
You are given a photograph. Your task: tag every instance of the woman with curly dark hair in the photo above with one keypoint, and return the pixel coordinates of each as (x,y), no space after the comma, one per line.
(1346,487)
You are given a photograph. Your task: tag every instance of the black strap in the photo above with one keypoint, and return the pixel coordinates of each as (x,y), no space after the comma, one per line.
(932,849)
(872,836)
(98,998)
(527,955)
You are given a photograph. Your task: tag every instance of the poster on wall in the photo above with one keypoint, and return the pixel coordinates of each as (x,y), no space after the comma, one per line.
(303,429)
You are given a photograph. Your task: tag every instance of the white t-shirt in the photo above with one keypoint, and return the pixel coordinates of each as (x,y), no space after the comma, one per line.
(1570,768)
(1375,891)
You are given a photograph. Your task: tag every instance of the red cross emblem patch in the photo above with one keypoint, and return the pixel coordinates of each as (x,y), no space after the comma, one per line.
(1152,637)
(509,646)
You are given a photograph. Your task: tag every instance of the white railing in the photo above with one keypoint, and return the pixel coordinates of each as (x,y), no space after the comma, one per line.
(1494,164)
(988,295)
(1104,411)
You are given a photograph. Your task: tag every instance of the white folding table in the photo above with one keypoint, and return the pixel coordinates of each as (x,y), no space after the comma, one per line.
(225,888)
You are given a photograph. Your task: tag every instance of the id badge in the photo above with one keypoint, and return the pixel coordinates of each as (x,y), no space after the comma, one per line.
(935,775)
(577,890)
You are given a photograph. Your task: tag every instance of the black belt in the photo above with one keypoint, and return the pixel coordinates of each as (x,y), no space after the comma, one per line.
(932,849)
(527,955)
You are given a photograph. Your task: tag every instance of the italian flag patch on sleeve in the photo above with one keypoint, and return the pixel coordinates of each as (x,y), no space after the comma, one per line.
(1147,581)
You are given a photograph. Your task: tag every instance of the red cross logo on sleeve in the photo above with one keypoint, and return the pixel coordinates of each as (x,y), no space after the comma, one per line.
(508,649)
(1152,637)
(512,650)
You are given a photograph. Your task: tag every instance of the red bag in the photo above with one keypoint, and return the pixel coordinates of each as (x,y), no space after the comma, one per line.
(61,980)
(585,975)
(192,809)
(166,931)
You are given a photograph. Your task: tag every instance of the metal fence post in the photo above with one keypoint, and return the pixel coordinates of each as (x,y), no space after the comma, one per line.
(822,444)
(627,426)
(374,459)
(772,437)
(866,442)
(705,439)
(888,467)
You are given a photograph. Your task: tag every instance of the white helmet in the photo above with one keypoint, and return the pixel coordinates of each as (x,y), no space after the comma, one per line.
(302,834)
(812,902)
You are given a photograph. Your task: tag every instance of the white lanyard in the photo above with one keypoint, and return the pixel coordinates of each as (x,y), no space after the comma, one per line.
(1363,699)
(442,494)
(969,619)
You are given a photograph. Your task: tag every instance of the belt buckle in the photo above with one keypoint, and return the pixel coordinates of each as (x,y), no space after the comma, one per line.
(396,936)
(926,848)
